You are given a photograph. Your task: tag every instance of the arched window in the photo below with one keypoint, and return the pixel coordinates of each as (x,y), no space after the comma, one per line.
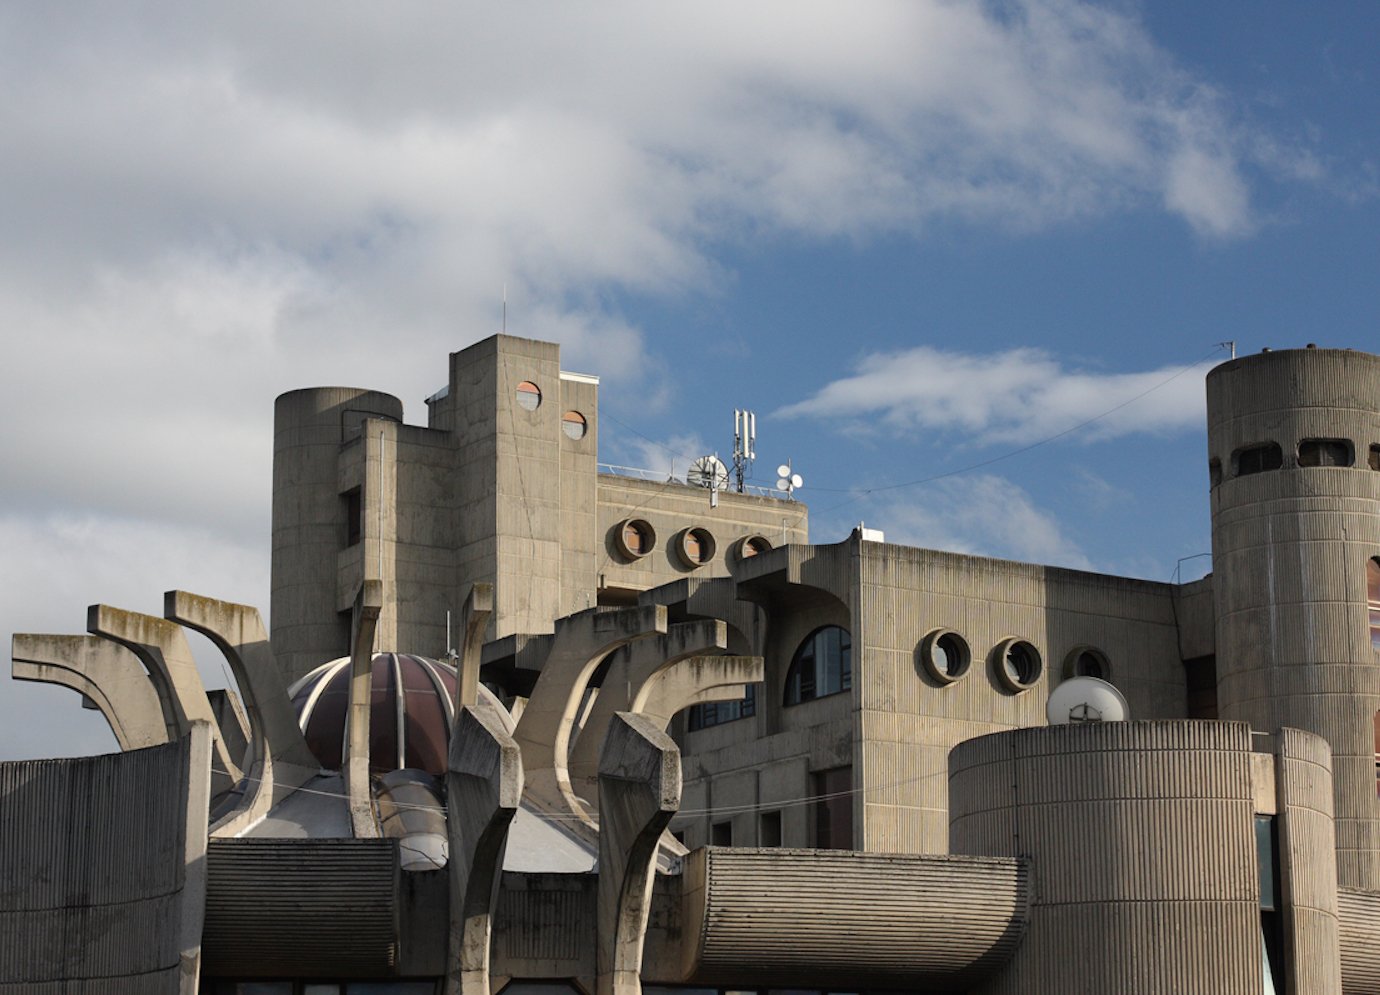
(822,665)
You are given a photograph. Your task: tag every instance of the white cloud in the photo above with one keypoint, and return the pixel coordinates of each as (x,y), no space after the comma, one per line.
(1018,396)
(982,515)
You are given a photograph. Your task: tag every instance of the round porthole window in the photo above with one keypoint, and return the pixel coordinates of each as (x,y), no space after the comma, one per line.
(749,546)
(1085,661)
(945,655)
(573,424)
(1018,664)
(696,547)
(528,396)
(634,537)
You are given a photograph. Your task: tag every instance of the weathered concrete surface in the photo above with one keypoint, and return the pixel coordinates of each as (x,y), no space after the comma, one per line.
(483,791)
(629,670)
(639,791)
(581,641)
(367,608)
(105,672)
(693,681)
(474,622)
(279,760)
(162,648)
(102,870)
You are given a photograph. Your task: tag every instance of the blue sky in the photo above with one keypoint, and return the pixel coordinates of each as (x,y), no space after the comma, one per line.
(913,236)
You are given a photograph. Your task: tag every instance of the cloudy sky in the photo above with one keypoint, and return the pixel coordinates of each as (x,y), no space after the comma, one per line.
(969,262)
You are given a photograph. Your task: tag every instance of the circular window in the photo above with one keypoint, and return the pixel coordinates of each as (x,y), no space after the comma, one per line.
(1085,661)
(634,537)
(696,547)
(753,545)
(573,424)
(528,396)
(945,655)
(1018,664)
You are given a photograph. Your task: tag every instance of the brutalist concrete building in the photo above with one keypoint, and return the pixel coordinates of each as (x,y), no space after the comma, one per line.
(528,724)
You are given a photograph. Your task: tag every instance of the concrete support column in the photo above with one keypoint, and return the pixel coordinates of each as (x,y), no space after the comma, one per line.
(639,791)
(474,622)
(367,609)
(483,790)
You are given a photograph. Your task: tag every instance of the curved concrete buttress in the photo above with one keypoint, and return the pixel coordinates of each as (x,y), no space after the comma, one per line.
(162,648)
(483,791)
(105,672)
(368,606)
(695,681)
(639,791)
(580,642)
(629,670)
(279,760)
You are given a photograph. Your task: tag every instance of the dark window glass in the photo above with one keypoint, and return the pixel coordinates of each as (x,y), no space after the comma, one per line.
(354,516)
(1200,678)
(769,829)
(1325,452)
(721,834)
(833,805)
(1374,458)
(1258,459)
(1089,664)
(715,713)
(822,665)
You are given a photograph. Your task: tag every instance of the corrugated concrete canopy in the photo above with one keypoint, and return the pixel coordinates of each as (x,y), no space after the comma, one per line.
(816,917)
(301,907)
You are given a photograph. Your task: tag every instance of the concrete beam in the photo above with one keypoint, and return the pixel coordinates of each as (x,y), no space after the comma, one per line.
(474,620)
(483,791)
(639,791)
(580,643)
(193,900)
(368,606)
(629,670)
(162,648)
(279,760)
(695,681)
(106,673)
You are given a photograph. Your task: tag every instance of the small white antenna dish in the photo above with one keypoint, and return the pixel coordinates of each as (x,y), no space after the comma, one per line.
(1086,699)
(787,480)
(708,472)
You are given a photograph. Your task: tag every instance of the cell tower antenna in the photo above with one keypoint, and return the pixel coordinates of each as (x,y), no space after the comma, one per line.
(1229,344)
(744,444)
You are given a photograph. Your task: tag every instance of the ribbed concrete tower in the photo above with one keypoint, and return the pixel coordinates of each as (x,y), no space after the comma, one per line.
(1292,439)
(313,520)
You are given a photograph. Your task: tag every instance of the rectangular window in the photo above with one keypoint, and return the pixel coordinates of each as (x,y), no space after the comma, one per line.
(721,834)
(718,712)
(769,829)
(833,808)
(354,516)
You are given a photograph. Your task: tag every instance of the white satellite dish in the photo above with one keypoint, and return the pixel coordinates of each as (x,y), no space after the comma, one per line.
(784,470)
(788,481)
(708,472)
(1086,699)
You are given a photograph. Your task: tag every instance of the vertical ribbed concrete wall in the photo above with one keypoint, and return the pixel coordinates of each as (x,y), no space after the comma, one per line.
(92,872)
(1290,547)
(1308,872)
(309,528)
(1141,843)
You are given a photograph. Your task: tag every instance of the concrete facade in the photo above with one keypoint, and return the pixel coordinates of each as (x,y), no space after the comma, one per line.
(860,791)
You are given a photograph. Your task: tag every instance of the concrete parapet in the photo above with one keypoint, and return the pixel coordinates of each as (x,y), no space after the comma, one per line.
(874,920)
(102,869)
(1133,830)
(639,791)
(483,790)
(105,672)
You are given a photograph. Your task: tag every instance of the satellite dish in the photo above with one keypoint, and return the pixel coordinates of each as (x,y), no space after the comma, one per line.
(784,470)
(708,472)
(1086,699)
(797,481)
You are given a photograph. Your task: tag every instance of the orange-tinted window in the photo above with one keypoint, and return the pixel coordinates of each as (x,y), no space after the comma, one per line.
(1373,602)
(635,538)
(528,395)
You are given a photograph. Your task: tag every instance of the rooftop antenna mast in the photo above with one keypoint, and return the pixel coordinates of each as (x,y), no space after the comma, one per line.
(744,444)
(505,307)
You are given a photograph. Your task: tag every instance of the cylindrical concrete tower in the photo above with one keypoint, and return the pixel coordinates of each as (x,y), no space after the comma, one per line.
(1292,439)
(312,520)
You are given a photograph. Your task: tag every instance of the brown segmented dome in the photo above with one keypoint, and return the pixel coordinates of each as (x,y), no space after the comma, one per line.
(410,715)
